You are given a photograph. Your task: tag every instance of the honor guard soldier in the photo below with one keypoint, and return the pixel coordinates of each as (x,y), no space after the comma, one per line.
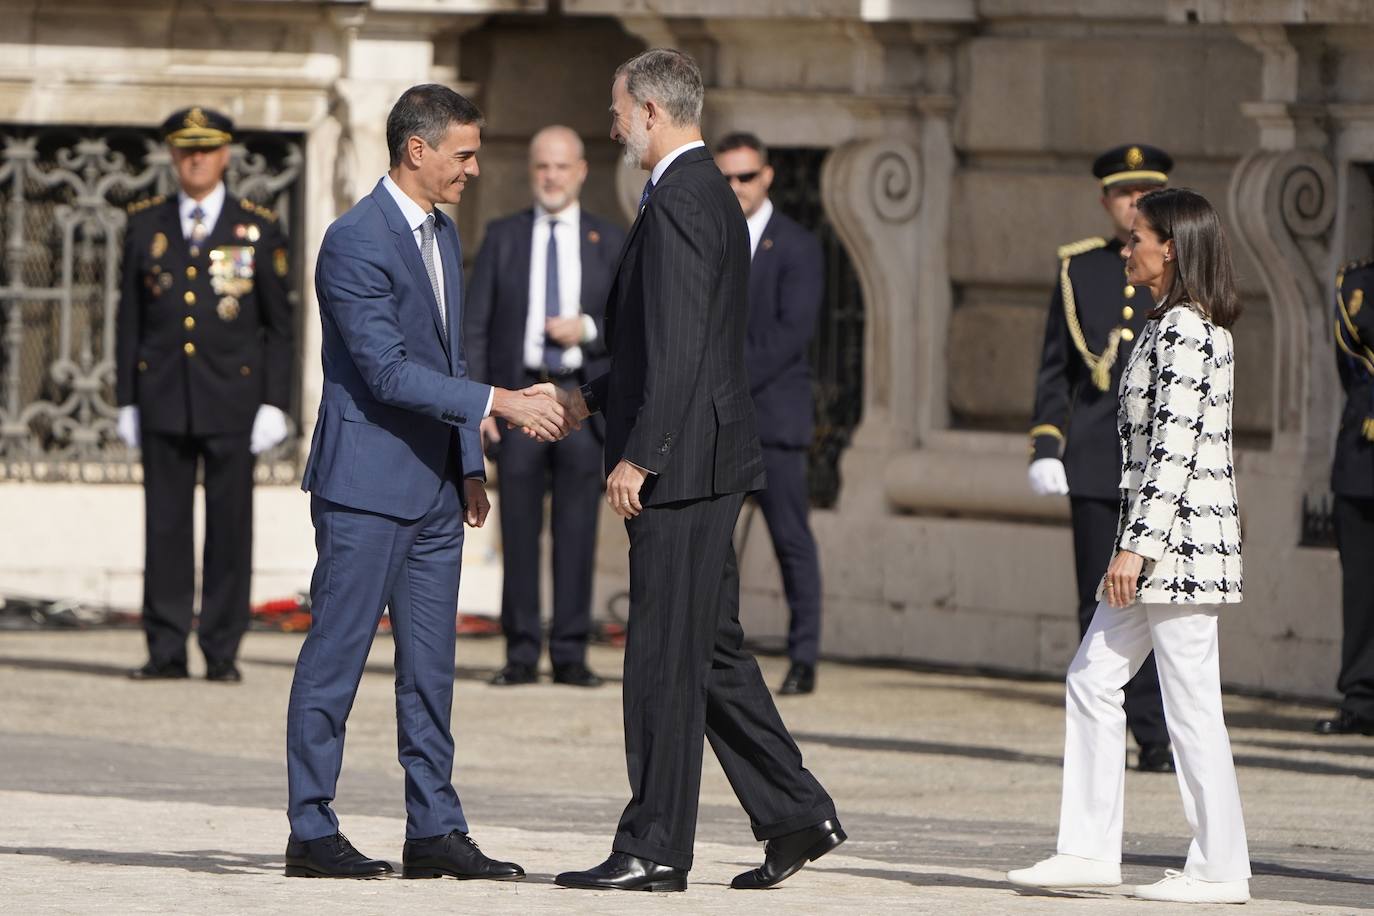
(1094,318)
(203,376)
(1352,488)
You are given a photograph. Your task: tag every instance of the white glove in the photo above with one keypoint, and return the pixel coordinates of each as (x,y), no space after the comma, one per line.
(269,428)
(126,426)
(1047,477)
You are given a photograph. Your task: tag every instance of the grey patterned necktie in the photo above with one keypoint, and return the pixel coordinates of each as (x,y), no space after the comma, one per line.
(427,252)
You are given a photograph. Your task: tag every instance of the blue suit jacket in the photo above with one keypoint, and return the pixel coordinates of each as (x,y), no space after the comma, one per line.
(786,282)
(498,298)
(396,397)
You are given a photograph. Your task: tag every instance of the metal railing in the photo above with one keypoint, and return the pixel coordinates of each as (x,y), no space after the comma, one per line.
(63,198)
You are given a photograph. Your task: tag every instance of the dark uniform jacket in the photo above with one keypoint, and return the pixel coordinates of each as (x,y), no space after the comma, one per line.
(498,298)
(202,342)
(785,288)
(1352,471)
(1093,320)
(676,399)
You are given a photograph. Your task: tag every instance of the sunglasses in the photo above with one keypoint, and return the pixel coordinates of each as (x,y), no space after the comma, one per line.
(743,177)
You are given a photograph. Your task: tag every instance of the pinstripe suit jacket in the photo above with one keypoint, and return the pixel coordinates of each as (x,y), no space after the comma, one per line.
(676,399)
(1178,483)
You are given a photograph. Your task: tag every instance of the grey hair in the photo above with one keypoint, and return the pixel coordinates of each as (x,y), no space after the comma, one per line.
(426,111)
(668,77)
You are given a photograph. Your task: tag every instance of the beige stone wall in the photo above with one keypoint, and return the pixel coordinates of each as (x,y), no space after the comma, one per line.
(962,133)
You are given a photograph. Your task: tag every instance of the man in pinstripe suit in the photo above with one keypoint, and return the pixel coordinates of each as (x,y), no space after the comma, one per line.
(681,452)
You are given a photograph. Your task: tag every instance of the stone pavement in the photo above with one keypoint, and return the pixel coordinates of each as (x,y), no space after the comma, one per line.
(118,797)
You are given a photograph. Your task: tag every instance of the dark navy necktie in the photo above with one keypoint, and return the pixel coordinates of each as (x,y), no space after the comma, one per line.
(644,197)
(553,354)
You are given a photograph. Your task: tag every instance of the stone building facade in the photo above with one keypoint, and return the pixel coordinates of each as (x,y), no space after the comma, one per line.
(959,135)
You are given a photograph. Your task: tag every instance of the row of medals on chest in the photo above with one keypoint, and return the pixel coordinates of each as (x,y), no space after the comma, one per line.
(231,271)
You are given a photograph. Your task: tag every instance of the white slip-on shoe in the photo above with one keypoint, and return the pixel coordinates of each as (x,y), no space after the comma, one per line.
(1176,887)
(1067,871)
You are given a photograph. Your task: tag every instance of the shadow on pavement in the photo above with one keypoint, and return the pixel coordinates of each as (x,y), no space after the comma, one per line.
(207,861)
(944,879)
(67,666)
(1258,870)
(945,749)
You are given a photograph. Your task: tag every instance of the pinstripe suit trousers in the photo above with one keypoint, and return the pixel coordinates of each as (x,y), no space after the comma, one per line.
(687,676)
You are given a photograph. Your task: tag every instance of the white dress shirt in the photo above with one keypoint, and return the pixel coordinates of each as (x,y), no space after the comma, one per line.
(211,206)
(757,223)
(415,217)
(567,226)
(667,160)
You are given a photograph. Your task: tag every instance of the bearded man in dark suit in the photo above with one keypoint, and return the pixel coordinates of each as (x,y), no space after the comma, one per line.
(682,451)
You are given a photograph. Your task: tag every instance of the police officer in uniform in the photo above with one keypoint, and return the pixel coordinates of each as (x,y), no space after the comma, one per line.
(1352,487)
(1094,317)
(203,375)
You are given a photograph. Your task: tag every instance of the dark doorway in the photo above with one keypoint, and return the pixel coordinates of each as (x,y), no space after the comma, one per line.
(837,351)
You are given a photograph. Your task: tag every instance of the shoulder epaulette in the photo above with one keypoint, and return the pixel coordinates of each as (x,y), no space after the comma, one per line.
(257,209)
(139,206)
(1080,246)
(1354,265)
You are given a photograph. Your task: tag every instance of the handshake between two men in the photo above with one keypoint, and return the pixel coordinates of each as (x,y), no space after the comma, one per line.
(548,413)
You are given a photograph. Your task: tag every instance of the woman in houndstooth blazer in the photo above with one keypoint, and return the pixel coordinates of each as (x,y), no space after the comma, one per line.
(1177,562)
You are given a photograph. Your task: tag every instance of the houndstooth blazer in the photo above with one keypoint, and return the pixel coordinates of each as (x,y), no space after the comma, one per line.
(1178,487)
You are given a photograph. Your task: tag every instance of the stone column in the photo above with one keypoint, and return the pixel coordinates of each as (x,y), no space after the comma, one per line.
(1283,204)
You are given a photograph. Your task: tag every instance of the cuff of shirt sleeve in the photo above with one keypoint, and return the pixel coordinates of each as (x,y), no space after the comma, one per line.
(491,396)
(588,329)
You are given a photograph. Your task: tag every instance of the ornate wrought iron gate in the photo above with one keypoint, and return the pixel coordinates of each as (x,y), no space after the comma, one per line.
(837,351)
(63,194)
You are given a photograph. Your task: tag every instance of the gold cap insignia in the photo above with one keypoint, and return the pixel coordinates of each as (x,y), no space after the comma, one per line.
(1134,158)
(1356,303)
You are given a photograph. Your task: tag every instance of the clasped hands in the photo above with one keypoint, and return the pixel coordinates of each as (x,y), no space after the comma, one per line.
(548,413)
(544,411)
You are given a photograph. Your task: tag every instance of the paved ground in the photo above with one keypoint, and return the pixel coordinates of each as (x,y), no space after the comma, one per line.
(167,798)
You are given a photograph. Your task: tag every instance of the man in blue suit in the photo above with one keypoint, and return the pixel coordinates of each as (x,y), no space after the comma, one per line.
(395,468)
(535,312)
(786,280)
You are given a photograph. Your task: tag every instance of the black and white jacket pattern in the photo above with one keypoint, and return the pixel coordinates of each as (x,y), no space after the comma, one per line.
(1178,487)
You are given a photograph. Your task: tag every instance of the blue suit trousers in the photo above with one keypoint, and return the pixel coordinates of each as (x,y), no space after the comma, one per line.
(368,562)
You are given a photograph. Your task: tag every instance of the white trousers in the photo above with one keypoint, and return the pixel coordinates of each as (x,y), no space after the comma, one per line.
(1184,639)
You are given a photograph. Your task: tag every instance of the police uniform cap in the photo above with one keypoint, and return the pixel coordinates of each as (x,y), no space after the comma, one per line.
(1134,163)
(197,128)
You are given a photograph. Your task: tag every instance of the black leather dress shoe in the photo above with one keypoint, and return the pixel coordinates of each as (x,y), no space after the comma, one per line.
(1155,758)
(223,672)
(1346,723)
(624,872)
(576,675)
(801,678)
(785,856)
(454,855)
(511,675)
(152,671)
(330,857)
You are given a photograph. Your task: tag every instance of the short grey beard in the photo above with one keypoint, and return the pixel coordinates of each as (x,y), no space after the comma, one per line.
(636,146)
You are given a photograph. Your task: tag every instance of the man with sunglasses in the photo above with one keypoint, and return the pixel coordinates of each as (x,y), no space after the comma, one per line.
(785,285)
